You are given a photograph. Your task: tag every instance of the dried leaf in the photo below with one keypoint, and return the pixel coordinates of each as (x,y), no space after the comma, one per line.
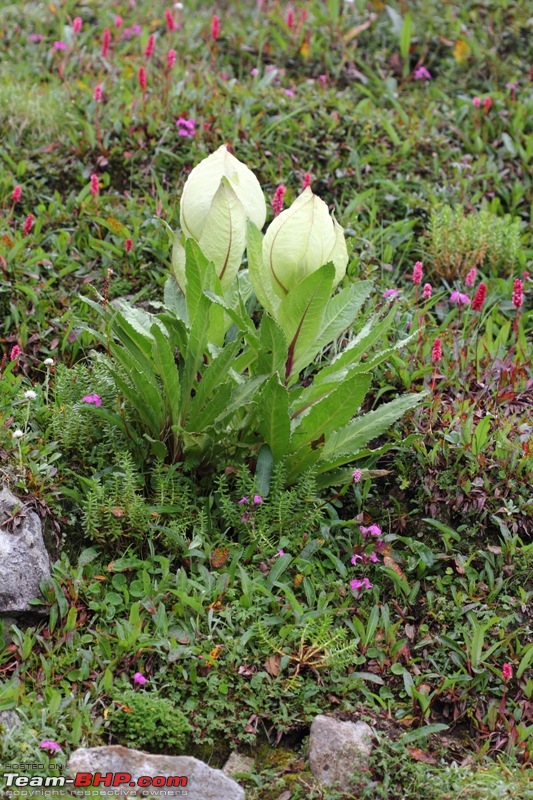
(420,755)
(219,556)
(272,665)
(357,29)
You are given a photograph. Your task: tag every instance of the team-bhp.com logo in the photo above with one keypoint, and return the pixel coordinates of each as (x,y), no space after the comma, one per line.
(90,779)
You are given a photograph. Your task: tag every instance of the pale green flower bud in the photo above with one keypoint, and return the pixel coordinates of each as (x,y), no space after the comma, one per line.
(300,240)
(220,195)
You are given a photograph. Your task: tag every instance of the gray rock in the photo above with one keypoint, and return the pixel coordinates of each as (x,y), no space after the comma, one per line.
(238,763)
(24,560)
(337,749)
(203,782)
(8,721)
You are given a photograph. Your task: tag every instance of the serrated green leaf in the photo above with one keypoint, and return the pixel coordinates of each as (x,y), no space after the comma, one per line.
(274,421)
(166,366)
(257,273)
(272,348)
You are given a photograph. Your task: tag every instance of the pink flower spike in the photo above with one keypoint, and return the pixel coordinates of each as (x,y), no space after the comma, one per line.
(98,93)
(290,19)
(471,277)
(426,291)
(77,24)
(436,351)
(150,47)
(95,186)
(106,40)
(15,352)
(277,200)
(258,499)
(171,59)
(417,272)
(518,294)
(357,475)
(139,679)
(215,27)
(16,193)
(49,745)
(118,21)
(28,224)
(507,671)
(487,104)
(128,245)
(307,181)
(479,297)
(141,77)
(169,17)
(476,102)
(60,46)
(323,79)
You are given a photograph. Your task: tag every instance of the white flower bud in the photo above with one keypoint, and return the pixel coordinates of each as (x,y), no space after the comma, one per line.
(18,434)
(30,394)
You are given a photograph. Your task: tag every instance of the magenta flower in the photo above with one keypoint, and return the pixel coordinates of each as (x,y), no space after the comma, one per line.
(471,277)
(139,679)
(98,93)
(215,27)
(436,351)
(290,92)
(28,224)
(280,553)
(390,293)
(357,584)
(459,298)
(243,501)
(169,17)
(258,499)
(106,41)
(422,74)
(128,245)
(16,193)
(50,746)
(306,181)
(426,291)
(355,558)
(518,294)
(77,23)
(254,72)
(92,399)
(373,557)
(95,186)
(171,59)
(277,200)
(185,126)
(35,38)
(357,475)
(417,272)
(150,47)
(372,530)
(476,102)
(60,46)
(507,671)
(118,21)
(15,352)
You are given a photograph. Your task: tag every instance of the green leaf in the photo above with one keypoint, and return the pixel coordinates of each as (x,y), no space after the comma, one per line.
(258,277)
(330,412)
(166,366)
(422,733)
(274,421)
(272,348)
(362,430)
(280,565)
(300,314)
(213,377)
(242,395)
(263,470)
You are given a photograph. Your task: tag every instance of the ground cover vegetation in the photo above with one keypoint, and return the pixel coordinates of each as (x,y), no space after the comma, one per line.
(276,491)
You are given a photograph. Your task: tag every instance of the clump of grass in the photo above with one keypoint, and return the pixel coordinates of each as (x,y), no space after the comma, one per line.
(30,108)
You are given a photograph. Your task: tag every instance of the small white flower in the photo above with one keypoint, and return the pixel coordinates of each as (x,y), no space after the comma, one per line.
(30,394)
(18,434)
(178,6)
(48,362)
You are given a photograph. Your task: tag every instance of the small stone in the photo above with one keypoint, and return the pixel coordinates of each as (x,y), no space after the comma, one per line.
(203,782)
(8,721)
(338,749)
(237,763)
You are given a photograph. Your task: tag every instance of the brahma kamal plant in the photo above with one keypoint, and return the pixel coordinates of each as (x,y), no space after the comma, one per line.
(220,383)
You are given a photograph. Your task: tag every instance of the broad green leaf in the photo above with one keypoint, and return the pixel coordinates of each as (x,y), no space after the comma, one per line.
(257,273)
(196,350)
(174,299)
(280,565)
(340,313)
(355,435)
(242,395)
(301,312)
(214,376)
(330,412)
(211,411)
(243,322)
(272,352)
(166,366)
(274,422)
(263,470)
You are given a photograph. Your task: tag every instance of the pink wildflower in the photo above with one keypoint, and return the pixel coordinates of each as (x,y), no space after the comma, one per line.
(15,352)
(150,46)
(277,200)
(390,293)
(426,291)
(280,553)
(471,277)
(243,501)
(373,557)
(417,272)
(28,224)
(16,193)
(60,46)
(50,746)
(95,186)
(518,294)
(290,19)
(355,558)
(169,17)
(479,297)
(357,475)
(139,679)
(76,24)
(215,27)
(92,399)
(436,351)
(306,181)
(98,93)
(185,126)
(459,298)
(258,499)
(487,104)
(118,21)
(171,59)
(106,41)
(141,77)
(128,245)
(476,102)
(422,74)
(372,530)
(357,584)
(507,671)
(323,79)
